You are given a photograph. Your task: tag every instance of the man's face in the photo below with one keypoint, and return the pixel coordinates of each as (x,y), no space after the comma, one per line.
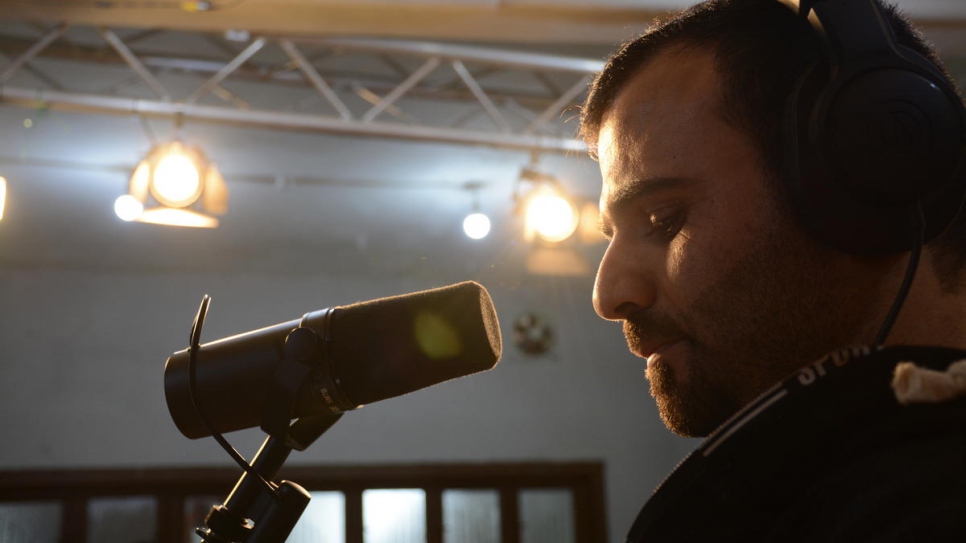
(714,282)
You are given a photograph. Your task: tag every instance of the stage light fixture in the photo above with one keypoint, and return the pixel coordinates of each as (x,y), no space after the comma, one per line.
(175,185)
(3,195)
(549,215)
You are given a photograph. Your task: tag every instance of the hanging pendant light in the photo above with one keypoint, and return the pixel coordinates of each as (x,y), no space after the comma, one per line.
(175,185)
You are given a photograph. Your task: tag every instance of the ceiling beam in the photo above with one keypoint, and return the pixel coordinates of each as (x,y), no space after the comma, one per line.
(589,23)
(577,24)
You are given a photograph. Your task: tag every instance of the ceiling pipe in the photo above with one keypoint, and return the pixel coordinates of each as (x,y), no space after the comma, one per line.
(89,103)
(447,51)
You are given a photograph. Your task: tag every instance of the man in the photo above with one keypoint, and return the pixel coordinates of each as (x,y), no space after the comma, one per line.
(732,300)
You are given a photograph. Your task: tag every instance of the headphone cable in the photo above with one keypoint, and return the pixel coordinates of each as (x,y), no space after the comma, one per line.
(907,280)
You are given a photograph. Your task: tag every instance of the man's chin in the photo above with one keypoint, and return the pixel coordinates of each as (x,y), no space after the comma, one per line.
(679,422)
(689,409)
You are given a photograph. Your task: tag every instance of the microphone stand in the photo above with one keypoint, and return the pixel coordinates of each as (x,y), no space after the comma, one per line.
(258,510)
(252,513)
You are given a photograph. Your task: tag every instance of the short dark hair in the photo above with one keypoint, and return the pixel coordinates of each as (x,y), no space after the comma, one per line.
(761,49)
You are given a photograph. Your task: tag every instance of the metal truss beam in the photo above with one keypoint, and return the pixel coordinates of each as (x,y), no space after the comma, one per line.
(528,125)
(33,51)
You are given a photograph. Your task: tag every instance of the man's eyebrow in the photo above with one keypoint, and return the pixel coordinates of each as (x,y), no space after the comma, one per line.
(648,186)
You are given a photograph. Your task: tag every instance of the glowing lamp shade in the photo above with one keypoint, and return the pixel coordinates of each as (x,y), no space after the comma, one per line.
(549,215)
(174,185)
(177,217)
(476,225)
(3,196)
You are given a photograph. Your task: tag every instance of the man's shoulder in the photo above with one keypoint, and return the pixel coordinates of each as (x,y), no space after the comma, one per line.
(828,451)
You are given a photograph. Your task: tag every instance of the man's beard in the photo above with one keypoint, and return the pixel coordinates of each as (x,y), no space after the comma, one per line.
(695,403)
(764,318)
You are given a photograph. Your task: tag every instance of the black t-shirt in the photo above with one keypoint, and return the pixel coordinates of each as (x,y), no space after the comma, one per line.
(827,455)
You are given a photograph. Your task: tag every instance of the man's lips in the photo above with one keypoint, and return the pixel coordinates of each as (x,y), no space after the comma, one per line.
(646,349)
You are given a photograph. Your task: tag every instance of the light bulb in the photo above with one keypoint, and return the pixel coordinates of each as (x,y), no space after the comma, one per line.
(177,181)
(551,216)
(128,208)
(476,225)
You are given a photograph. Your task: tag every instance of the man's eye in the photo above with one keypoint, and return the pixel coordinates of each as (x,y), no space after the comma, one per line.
(666,225)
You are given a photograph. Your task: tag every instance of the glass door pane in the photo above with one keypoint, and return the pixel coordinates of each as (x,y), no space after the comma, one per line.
(471,516)
(547,516)
(394,516)
(30,522)
(323,521)
(122,520)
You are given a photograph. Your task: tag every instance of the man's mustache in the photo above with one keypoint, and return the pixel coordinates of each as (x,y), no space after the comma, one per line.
(647,326)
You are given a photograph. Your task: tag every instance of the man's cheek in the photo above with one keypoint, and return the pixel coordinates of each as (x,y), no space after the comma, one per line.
(692,261)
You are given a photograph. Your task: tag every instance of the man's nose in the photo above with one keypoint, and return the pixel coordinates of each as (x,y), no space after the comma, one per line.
(623,285)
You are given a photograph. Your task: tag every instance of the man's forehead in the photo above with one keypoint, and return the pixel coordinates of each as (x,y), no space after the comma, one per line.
(615,156)
(659,111)
(677,85)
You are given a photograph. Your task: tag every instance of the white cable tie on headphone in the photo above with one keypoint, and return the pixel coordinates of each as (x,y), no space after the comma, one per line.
(913,384)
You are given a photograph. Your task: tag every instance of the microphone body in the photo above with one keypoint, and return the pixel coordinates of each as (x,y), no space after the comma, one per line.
(370,351)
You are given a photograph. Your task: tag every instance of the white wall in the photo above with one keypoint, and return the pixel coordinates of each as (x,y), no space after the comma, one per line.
(82,354)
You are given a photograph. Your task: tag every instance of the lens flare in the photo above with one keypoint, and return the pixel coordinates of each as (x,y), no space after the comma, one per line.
(436,337)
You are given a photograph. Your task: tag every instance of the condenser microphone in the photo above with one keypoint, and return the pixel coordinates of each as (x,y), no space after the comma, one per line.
(368,351)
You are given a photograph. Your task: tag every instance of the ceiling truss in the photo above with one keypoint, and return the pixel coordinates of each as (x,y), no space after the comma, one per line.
(478,82)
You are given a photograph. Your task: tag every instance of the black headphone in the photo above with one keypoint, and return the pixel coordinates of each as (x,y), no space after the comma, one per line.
(876,136)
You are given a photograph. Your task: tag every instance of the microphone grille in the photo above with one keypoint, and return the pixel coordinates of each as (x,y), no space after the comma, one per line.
(391,346)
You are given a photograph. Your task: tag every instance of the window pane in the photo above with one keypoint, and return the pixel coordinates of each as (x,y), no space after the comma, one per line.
(547,516)
(37,522)
(122,520)
(394,516)
(323,520)
(471,516)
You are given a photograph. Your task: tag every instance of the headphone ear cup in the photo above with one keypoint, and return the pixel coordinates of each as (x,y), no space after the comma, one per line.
(891,136)
(871,146)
